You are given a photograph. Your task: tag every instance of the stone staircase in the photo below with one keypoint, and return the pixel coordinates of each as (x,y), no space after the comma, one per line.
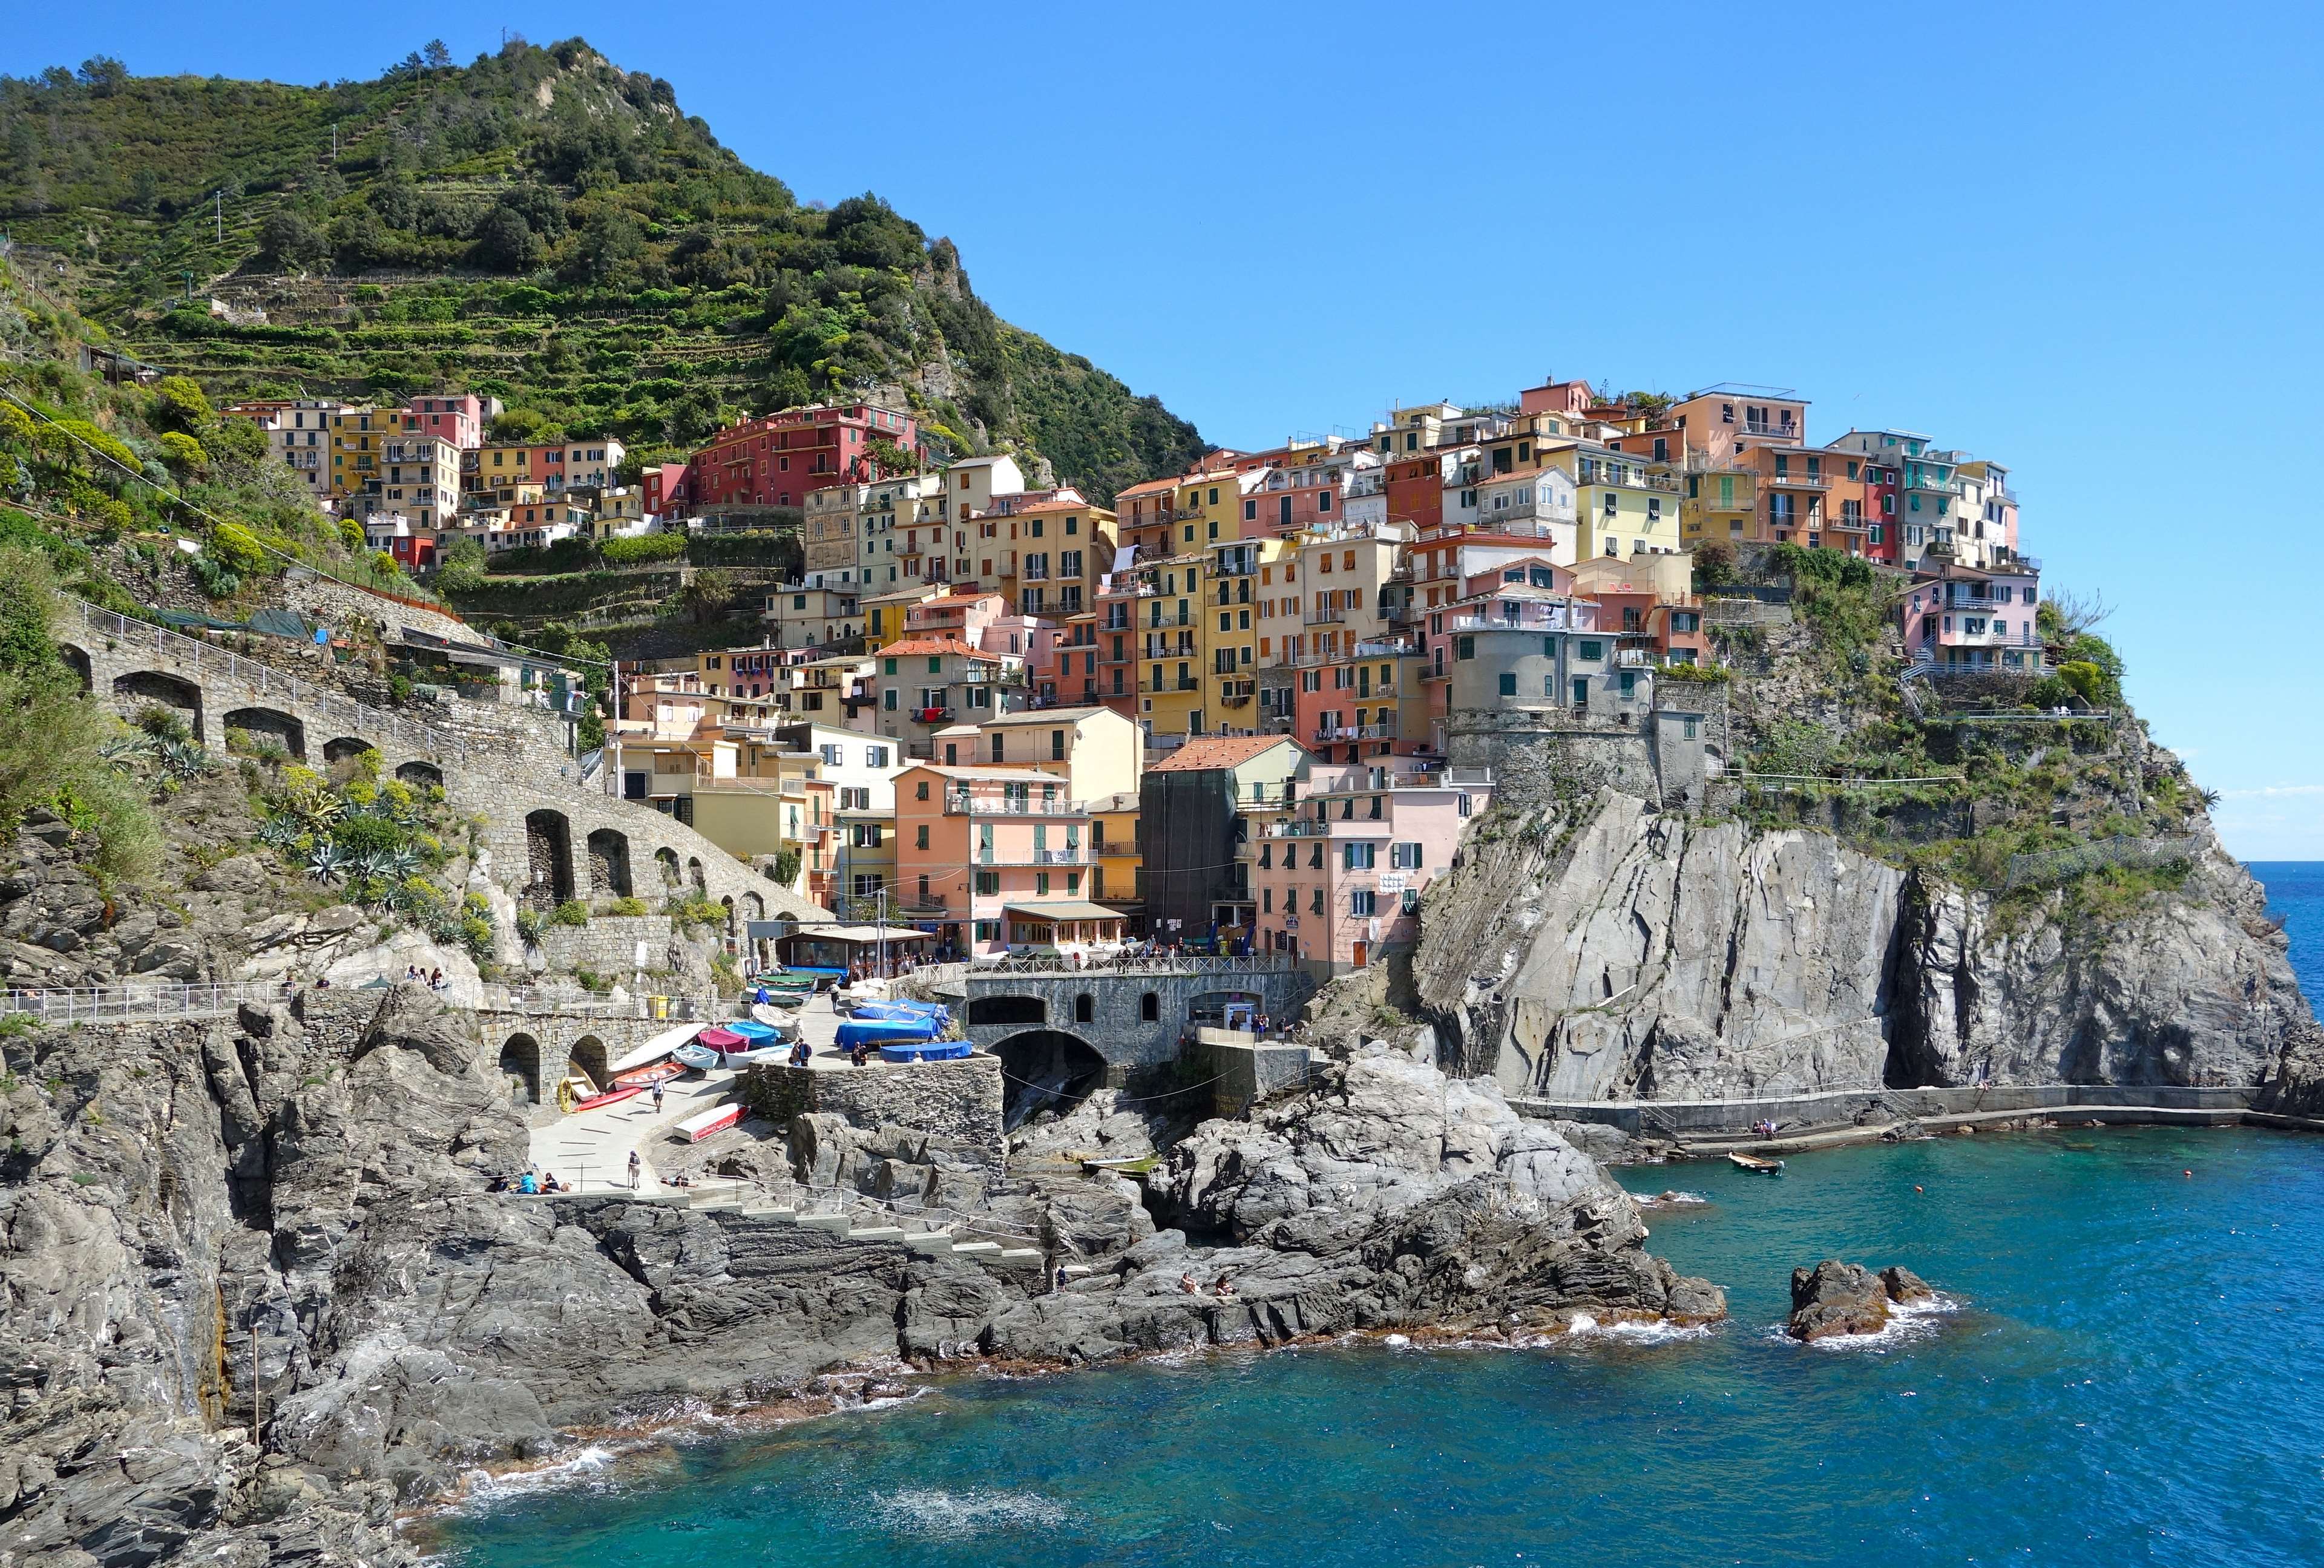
(926,1243)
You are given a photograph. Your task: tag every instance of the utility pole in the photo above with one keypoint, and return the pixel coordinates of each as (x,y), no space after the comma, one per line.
(220,197)
(335,142)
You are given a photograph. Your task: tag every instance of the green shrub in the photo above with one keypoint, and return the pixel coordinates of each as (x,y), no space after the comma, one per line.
(571,912)
(640,547)
(530,923)
(626,907)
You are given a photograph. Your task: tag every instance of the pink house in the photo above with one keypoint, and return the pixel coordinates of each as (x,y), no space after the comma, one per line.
(457,420)
(1960,617)
(1340,877)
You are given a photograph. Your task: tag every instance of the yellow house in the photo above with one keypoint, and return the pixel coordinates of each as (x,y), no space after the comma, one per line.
(1623,504)
(1233,624)
(885,614)
(356,438)
(1113,852)
(1172,647)
(1718,507)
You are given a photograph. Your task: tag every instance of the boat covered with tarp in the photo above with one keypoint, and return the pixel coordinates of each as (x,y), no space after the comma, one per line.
(875,1033)
(925,1050)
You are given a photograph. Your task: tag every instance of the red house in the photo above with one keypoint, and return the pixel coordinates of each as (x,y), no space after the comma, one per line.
(776,459)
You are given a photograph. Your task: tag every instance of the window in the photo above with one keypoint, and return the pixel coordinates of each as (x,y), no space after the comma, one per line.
(1315,901)
(1149,1007)
(1359,902)
(1465,648)
(921,792)
(988,882)
(1356,857)
(1508,686)
(987,930)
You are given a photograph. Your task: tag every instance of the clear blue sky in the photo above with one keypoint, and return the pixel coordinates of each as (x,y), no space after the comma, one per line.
(2082,241)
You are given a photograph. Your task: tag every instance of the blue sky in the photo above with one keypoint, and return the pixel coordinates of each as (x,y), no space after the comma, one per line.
(2082,243)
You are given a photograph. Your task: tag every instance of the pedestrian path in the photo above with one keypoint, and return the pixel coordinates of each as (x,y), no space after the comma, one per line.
(589,1150)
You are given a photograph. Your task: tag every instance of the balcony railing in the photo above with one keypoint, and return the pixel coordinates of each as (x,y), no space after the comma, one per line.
(957,803)
(1801,481)
(1332,617)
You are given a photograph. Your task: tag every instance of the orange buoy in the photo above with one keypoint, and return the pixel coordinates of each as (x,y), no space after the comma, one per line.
(1916,1189)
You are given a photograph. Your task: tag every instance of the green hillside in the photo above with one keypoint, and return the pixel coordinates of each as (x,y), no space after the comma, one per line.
(538,225)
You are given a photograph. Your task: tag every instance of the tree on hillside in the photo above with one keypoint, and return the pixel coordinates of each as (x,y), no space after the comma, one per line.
(290,243)
(436,56)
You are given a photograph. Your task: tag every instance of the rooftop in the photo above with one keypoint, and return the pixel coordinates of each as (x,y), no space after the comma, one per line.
(1207,751)
(1073,716)
(937,647)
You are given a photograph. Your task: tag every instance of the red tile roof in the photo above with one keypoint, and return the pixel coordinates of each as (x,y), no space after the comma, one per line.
(1206,751)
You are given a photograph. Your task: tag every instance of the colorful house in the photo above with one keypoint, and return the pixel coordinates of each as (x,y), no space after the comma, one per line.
(1957,616)
(994,859)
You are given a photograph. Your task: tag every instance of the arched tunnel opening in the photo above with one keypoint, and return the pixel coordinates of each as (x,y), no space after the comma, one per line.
(1047,1070)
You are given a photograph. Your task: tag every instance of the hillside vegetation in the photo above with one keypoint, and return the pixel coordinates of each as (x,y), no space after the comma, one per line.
(538,225)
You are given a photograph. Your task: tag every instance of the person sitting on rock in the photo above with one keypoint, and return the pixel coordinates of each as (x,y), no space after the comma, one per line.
(525,1184)
(1222,1286)
(548,1183)
(1189,1284)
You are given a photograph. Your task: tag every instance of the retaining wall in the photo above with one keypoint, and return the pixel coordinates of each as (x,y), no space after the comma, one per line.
(1707,1117)
(959,1101)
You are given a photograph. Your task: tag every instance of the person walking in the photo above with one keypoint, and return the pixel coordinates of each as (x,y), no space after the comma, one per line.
(633,1170)
(657,1096)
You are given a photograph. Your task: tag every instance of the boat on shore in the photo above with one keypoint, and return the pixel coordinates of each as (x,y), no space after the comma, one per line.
(1756,1166)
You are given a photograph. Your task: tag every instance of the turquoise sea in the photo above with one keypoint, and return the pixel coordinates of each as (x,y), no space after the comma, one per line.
(2132,1375)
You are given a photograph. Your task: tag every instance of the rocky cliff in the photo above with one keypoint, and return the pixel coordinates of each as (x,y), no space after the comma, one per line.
(256,1296)
(1608,951)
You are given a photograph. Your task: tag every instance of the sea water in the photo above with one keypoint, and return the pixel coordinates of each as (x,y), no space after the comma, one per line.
(2128,1372)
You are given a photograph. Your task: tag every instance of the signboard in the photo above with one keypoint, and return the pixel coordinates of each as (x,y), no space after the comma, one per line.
(1292,924)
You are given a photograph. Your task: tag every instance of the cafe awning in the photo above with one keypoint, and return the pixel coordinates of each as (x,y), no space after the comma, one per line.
(1064,909)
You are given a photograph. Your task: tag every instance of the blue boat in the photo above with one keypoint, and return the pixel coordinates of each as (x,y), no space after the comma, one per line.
(755,1036)
(903,1011)
(925,1051)
(882,1032)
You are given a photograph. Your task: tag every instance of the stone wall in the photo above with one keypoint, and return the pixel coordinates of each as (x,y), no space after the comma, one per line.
(959,1101)
(335,604)
(1118,1028)
(1245,1072)
(608,944)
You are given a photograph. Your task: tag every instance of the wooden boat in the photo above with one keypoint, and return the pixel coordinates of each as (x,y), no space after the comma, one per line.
(1757,1167)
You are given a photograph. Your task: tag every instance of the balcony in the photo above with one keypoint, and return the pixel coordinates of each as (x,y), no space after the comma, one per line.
(1235,693)
(1185,683)
(931,715)
(962,803)
(1799,481)
(1335,617)
(1532,515)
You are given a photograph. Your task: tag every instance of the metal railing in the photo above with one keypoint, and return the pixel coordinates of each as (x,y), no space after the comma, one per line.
(1139,963)
(193,654)
(138,1004)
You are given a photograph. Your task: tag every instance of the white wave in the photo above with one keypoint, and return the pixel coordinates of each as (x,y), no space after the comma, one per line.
(1670,1200)
(1637,1333)
(481,1489)
(1908,1323)
(934,1512)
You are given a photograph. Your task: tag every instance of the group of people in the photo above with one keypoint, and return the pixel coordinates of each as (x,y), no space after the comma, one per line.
(1221,1286)
(433,979)
(528,1181)
(1764,1129)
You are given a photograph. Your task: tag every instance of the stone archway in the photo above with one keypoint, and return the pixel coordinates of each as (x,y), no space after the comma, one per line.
(693,875)
(76,660)
(548,858)
(421,775)
(1046,1069)
(609,862)
(727,902)
(345,748)
(520,1067)
(142,689)
(666,859)
(588,1058)
(263,726)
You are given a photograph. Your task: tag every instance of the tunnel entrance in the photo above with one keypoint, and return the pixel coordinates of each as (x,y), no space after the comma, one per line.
(1047,1070)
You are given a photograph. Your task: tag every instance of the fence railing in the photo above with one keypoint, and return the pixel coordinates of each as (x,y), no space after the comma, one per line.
(137,1003)
(1139,963)
(202,658)
(2052,865)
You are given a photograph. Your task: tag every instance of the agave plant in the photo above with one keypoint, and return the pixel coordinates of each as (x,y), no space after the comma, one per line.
(279,833)
(367,865)
(403,861)
(314,806)
(328,862)
(185,760)
(127,750)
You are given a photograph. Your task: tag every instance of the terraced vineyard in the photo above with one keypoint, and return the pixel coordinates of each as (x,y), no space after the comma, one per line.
(538,225)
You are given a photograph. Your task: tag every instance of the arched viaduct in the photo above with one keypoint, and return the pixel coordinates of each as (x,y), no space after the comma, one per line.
(551,839)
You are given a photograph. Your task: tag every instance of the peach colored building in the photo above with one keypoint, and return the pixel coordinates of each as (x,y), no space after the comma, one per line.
(994,859)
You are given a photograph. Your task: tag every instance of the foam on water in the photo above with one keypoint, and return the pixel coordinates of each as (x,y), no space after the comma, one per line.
(934,1512)
(1908,1322)
(586,1467)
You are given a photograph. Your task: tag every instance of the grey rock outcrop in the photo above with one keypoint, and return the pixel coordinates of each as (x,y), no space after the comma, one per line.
(1837,1298)
(1392,1198)
(1619,952)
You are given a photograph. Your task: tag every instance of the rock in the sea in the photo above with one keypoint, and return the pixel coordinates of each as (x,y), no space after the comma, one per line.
(1847,1298)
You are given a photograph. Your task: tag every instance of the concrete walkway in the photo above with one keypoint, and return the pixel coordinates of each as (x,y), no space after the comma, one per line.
(589,1150)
